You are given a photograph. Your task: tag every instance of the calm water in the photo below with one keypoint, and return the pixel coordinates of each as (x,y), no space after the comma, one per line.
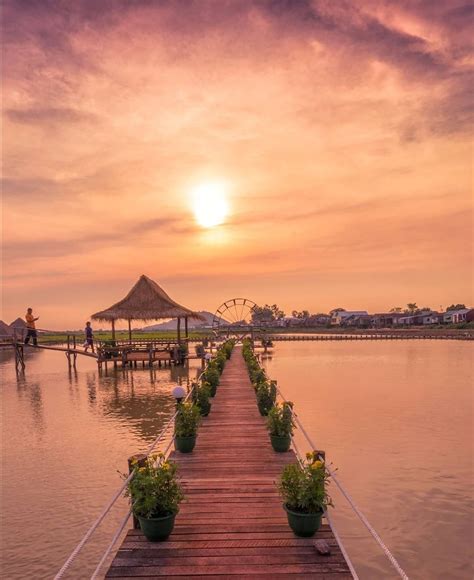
(395,418)
(64,438)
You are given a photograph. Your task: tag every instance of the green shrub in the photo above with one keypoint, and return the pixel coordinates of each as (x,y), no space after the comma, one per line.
(203,393)
(187,420)
(304,487)
(211,375)
(155,490)
(280,420)
(266,396)
(220,361)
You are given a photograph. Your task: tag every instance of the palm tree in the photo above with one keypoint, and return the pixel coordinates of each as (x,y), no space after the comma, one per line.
(412,307)
(395,309)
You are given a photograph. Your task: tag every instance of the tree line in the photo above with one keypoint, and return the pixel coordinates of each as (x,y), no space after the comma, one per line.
(271,313)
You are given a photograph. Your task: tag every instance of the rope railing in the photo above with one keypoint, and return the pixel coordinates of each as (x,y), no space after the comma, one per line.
(348,497)
(330,521)
(118,494)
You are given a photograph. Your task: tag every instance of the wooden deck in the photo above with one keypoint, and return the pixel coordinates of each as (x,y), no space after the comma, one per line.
(232,524)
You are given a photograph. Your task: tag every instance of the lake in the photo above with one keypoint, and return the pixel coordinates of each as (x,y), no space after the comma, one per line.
(395,418)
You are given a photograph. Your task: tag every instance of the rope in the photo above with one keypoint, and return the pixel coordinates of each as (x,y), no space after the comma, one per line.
(120,491)
(91,530)
(331,524)
(111,545)
(120,530)
(346,494)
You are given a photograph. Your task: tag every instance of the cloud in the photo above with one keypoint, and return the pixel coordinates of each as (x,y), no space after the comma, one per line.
(342,128)
(48,116)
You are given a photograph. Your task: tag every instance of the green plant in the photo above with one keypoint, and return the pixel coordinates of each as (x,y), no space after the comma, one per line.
(155,490)
(211,375)
(303,487)
(228,347)
(220,361)
(266,396)
(187,420)
(203,394)
(280,420)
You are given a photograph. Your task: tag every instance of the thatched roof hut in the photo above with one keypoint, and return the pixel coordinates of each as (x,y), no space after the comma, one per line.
(146,301)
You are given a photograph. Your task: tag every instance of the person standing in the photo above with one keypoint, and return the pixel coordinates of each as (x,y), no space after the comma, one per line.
(31,327)
(89,342)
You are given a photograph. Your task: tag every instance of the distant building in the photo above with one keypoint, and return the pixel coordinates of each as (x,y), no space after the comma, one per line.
(338,317)
(357,321)
(385,319)
(459,316)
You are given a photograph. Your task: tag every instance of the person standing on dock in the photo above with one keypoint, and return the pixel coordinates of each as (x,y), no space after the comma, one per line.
(31,327)
(89,342)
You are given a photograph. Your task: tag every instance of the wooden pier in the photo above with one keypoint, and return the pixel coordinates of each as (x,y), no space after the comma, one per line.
(232,524)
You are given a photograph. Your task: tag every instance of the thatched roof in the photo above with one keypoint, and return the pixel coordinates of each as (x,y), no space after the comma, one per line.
(145,301)
(5,330)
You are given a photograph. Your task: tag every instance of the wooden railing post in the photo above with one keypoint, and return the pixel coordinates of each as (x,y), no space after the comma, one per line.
(136,461)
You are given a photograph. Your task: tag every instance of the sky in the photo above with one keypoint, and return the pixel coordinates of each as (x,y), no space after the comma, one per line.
(339,132)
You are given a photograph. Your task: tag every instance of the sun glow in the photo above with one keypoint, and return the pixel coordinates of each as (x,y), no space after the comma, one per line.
(210,204)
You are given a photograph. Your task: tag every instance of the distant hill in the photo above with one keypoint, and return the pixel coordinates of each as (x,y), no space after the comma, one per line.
(192,323)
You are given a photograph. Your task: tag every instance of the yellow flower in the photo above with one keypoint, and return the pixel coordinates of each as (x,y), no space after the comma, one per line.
(141,469)
(309,456)
(317,465)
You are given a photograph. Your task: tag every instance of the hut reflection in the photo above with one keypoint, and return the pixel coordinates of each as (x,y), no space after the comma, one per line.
(141,399)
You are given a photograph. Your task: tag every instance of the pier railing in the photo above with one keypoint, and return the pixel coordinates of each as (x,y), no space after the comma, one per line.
(119,493)
(346,495)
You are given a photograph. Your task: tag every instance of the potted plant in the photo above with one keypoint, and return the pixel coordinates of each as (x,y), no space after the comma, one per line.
(155,494)
(227,347)
(303,489)
(220,361)
(186,426)
(280,425)
(203,393)
(266,396)
(211,376)
(182,353)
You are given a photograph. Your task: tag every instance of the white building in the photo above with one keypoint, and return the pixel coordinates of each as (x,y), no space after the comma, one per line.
(338,317)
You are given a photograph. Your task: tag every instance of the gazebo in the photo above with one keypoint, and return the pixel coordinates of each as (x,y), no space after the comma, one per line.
(146,301)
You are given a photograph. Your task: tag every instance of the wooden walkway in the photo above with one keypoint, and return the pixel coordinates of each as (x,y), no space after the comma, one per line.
(232,524)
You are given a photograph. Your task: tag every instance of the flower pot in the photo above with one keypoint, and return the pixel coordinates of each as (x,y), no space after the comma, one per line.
(156,529)
(185,444)
(280,444)
(205,409)
(303,525)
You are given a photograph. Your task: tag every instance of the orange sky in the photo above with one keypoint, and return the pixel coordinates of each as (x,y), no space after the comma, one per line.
(343,134)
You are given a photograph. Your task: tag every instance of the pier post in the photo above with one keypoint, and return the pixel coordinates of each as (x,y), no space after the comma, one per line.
(19,357)
(137,460)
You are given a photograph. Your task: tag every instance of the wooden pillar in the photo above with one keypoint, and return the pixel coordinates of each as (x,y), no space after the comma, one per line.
(179,329)
(186,326)
(113,329)
(129,330)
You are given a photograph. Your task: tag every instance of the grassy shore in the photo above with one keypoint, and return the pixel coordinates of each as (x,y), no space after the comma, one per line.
(171,335)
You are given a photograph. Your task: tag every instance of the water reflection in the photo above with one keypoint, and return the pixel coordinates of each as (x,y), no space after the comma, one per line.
(74,429)
(396,419)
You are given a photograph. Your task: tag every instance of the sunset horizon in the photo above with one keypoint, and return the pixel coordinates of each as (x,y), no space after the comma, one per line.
(339,138)
(237,300)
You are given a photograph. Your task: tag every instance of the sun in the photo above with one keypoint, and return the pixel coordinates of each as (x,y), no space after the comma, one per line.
(210,204)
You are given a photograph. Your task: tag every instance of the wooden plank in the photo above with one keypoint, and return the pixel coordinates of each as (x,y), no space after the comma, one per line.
(232,524)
